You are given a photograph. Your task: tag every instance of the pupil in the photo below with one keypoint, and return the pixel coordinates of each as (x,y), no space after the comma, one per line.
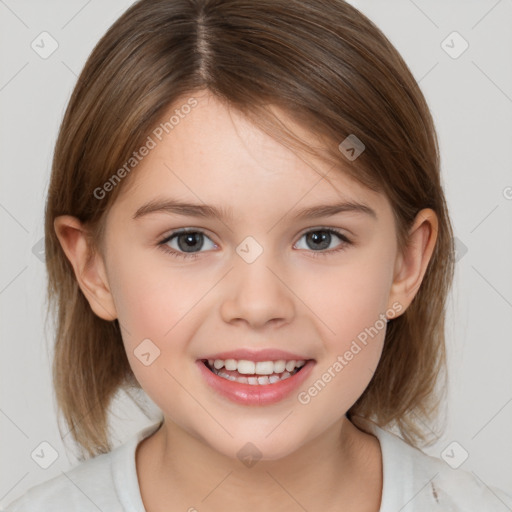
(324,239)
(190,241)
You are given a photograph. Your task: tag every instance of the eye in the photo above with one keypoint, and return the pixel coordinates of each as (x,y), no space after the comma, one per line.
(321,238)
(186,243)
(185,240)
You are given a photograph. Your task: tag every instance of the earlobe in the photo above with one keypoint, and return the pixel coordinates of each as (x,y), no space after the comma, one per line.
(411,265)
(89,267)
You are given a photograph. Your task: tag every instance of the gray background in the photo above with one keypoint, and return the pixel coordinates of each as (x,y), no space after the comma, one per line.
(471,100)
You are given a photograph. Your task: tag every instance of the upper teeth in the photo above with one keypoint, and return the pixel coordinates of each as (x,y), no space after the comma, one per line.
(260,368)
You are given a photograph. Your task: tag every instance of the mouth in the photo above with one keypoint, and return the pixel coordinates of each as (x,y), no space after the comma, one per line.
(260,373)
(255,383)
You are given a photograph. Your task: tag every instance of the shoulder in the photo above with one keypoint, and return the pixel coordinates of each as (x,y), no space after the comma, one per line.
(107,482)
(414,481)
(87,486)
(454,489)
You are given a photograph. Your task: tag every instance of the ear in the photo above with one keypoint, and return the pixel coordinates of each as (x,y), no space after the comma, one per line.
(411,265)
(88,265)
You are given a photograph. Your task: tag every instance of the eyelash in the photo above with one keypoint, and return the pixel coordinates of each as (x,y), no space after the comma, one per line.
(162,244)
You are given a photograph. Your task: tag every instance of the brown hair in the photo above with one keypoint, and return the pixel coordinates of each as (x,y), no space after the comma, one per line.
(330,69)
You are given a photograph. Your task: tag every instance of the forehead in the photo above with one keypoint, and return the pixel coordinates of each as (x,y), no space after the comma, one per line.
(212,154)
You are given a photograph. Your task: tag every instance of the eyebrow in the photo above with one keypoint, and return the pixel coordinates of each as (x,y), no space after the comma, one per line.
(172,206)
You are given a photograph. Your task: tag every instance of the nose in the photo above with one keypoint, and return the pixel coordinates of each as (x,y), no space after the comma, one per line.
(258,293)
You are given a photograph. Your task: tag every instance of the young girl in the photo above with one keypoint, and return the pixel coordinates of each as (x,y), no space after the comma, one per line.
(290,142)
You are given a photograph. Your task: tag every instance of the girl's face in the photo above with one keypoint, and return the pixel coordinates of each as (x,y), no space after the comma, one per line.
(264,275)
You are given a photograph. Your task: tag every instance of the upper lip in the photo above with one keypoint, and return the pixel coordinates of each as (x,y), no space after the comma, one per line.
(269,354)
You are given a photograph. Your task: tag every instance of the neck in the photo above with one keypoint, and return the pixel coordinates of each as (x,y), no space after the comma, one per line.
(341,467)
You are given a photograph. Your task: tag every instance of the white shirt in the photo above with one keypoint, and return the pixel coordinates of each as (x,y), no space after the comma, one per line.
(412,482)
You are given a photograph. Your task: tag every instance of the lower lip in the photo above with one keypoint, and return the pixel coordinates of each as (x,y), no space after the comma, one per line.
(248,394)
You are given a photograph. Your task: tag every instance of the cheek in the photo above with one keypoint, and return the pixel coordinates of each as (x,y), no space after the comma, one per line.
(348,297)
(349,302)
(156,307)
(151,297)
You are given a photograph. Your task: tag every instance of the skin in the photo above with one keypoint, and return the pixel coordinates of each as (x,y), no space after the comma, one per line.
(313,458)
